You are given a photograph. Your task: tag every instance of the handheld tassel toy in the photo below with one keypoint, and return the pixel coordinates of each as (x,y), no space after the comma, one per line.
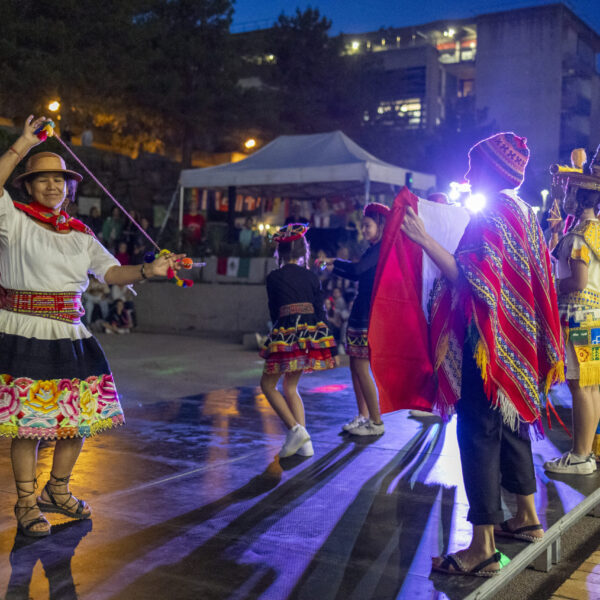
(46,130)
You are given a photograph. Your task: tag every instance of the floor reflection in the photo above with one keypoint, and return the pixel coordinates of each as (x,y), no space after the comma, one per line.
(55,553)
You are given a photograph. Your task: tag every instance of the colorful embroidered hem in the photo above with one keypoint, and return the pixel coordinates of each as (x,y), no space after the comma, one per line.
(298,338)
(58,408)
(307,361)
(357,342)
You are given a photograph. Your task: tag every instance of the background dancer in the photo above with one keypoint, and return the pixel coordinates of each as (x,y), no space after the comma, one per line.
(578,255)
(55,382)
(300,340)
(368,421)
(495,336)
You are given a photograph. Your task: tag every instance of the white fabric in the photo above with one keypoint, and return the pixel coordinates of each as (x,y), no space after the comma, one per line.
(307,166)
(37,259)
(446,224)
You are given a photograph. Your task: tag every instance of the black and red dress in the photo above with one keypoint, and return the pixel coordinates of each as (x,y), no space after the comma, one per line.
(362,271)
(300,339)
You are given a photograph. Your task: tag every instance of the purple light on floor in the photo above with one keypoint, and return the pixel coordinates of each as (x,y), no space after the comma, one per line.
(328,389)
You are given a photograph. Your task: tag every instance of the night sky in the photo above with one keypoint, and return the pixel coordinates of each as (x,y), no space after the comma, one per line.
(356,16)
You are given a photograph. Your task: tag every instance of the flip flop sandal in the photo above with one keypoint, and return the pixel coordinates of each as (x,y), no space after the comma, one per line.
(452,565)
(520,533)
(75,511)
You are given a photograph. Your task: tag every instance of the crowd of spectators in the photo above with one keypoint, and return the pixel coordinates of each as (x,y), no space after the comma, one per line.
(108,309)
(111,309)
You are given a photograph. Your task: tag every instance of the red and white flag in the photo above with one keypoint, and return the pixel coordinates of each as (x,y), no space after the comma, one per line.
(398,330)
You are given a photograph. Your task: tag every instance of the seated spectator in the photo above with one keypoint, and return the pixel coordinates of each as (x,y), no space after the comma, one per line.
(119,319)
(96,295)
(122,255)
(123,292)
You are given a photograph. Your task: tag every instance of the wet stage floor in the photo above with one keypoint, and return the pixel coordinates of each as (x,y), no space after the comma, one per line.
(190,503)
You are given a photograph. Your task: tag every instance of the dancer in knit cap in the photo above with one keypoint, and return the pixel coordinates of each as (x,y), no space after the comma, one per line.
(578,255)
(368,421)
(497,348)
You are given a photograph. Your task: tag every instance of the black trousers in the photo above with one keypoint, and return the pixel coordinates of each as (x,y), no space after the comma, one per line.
(491,454)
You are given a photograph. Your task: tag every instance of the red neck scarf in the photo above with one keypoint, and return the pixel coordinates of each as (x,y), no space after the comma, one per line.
(61,222)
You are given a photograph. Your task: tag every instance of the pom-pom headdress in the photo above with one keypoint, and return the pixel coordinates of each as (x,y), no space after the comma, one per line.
(291,232)
(376,208)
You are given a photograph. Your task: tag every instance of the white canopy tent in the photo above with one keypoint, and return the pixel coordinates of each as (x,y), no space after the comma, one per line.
(303,167)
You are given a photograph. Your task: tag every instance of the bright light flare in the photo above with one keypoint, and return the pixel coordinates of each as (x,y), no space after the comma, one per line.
(457,190)
(54,105)
(355,45)
(475,202)
(250,143)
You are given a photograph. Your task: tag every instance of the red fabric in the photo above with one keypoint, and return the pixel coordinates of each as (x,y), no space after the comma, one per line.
(61,222)
(222,265)
(398,334)
(506,291)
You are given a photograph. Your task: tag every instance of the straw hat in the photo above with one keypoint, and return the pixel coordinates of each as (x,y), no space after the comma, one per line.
(45,162)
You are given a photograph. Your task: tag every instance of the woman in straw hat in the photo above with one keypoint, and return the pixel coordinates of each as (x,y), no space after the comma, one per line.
(55,383)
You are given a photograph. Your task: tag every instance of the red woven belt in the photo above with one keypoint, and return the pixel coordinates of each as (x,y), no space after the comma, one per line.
(60,306)
(300,308)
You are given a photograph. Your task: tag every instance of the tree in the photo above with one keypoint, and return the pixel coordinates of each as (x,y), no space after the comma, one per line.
(186,70)
(313,81)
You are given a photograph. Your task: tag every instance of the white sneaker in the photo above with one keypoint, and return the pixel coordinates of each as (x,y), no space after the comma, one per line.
(571,463)
(296,437)
(368,428)
(358,420)
(306,450)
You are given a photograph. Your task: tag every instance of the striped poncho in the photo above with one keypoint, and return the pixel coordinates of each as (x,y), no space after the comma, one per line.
(506,302)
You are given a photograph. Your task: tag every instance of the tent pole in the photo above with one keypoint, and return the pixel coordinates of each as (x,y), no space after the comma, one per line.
(367,189)
(180,216)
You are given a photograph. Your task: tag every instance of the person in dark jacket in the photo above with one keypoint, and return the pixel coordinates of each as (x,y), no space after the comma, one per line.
(300,340)
(368,421)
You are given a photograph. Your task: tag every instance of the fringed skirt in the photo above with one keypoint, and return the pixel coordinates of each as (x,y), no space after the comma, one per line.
(298,342)
(356,342)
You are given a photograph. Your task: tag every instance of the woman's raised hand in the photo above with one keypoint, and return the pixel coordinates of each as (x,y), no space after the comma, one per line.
(30,126)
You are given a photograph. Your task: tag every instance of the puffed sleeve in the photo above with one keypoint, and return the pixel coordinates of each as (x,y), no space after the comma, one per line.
(580,250)
(7,216)
(101,260)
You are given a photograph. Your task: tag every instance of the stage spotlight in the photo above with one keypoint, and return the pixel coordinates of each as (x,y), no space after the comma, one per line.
(475,202)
